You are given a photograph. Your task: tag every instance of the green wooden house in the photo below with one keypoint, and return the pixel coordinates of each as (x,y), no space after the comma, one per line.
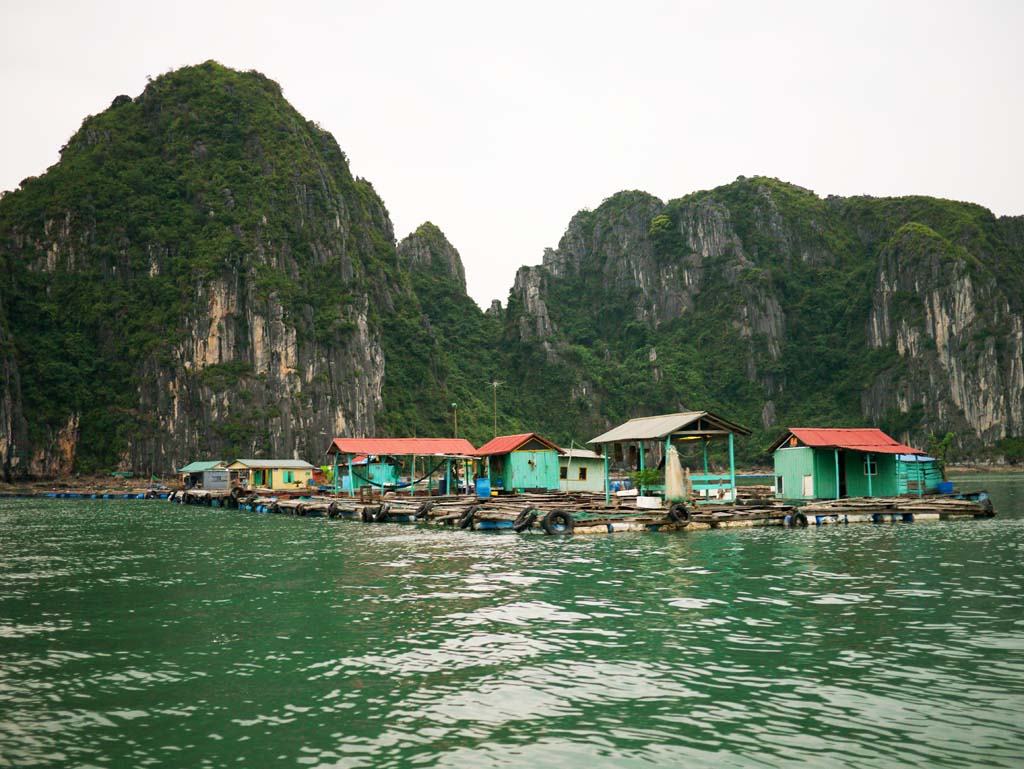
(521,462)
(813,463)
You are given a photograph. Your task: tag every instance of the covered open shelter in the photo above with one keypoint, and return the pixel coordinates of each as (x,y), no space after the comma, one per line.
(439,452)
(832,463)
(668,429)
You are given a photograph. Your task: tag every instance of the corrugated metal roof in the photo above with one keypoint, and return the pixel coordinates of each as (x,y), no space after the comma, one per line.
(505,444)
(581,454)
(202,467)
(455,447)
(274,464)
(866,439)
(663,425)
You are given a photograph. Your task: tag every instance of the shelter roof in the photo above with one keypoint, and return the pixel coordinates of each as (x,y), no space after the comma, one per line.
(664,425)
(452,447)
(202,467)
(272,464)
(506,444)
(866,439)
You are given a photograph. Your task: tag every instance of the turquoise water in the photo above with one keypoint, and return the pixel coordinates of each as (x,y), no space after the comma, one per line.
(145,634)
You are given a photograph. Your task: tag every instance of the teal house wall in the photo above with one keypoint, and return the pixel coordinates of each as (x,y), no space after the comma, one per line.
(531,470)
(791,465)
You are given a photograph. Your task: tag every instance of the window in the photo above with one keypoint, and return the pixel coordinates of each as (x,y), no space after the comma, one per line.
(583,473)
(870,466)
(563,473)
(808,486)
(289,476)
(778,485)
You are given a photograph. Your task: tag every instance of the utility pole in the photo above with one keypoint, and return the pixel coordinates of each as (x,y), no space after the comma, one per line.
(455,409)
(495,385)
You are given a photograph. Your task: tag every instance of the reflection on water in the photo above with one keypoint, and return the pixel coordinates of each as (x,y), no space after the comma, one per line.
(139,633)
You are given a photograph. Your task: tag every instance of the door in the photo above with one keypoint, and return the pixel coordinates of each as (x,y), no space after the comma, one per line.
(842,473)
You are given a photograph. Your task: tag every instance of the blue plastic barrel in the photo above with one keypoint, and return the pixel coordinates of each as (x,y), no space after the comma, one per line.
(483,488)
(945,487)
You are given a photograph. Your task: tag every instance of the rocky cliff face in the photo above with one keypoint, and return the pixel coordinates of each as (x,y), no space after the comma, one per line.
(199,275)
(777,307)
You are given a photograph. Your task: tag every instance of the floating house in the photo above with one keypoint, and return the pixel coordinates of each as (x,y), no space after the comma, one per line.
(657,433)
(525,462)
(427,457)
(814,463)
(276,474)
(580,470)
(210,474)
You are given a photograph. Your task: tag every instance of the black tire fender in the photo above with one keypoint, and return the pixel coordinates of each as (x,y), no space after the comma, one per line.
(798,519)
(679,514)
(557,523)
(332,510)
(380,515)
(422,510)
(524,520)
(466,520)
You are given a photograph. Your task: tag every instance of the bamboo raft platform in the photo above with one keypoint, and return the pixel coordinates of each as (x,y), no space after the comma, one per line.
(586,513)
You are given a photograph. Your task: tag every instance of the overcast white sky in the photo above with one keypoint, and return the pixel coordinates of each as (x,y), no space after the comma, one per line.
(499,121)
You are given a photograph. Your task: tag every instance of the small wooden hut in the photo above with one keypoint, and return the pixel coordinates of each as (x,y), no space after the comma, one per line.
(521,462)
(833,463)
(205,474)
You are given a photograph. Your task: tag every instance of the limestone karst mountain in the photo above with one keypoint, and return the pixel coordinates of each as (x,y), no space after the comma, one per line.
(201,274)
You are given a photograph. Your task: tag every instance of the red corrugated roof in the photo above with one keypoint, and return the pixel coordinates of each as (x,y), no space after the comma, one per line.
(505,444)
(402,446)
(856,439)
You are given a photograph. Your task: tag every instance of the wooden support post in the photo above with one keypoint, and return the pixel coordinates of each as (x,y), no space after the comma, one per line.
(732,467)
(867,469)
(607,481)
(412,477)
(351,481)
(641,444)
(837,472)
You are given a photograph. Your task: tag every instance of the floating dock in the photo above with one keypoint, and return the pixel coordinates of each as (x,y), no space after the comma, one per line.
(580,513)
